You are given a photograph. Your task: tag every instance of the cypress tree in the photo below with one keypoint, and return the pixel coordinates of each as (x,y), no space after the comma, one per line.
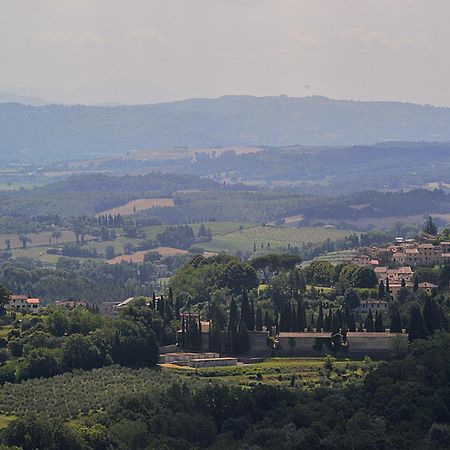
(319,325)
(403,282)
(183,332)
(246,311)
(432,316)
(334,324)
(379,326)
(252,315)
(293,324)
(233,326)
(170,298)
(177,308)
(352,323)
(388,289)
(259,319)
(369,323)
(416,284)
(301,323)
(327,322)
(243,339)
(396,323)
(417,328)
(381,290)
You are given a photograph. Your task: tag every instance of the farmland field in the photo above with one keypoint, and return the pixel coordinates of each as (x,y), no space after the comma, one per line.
(138,257)
(273,238)
(38,239)
(139,204)
(76,393)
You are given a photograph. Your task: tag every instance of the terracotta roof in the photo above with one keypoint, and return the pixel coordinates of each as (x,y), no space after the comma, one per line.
(33,301)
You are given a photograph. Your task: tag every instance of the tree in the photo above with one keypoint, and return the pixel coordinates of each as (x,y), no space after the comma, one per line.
(396,323)
(369,324)
(417,327)
(416,284)
(25,240)
(379,326)
(233,326)
(239,276)
(8,244)
(110,252)
(320,321)
(246,311)
(432,315)
(259,319)
(351,299)
(4,298)
(381,290)
(56,235)
(430,227)
(444,277)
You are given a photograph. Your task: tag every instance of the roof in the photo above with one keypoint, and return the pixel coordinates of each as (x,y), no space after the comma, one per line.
(18,297)
(369,334)
(33,301)
(312,334)
(125,302)
(426,285)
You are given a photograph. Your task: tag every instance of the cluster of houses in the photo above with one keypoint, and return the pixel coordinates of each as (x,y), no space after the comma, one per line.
(395,264)
(27,305)
(404,252)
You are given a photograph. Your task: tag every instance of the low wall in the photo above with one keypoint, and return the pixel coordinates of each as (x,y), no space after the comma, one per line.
(356,345)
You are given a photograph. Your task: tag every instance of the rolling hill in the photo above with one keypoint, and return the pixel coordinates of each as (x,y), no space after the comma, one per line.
(56,132)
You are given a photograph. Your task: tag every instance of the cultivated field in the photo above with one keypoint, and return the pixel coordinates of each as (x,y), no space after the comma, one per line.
(138,257)
(306,372)
(38,239)
(272,238)
(139,204)
(78,393)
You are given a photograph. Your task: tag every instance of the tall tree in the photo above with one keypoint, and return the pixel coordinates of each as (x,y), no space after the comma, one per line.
(417,327)
(320,321)
(396,323)
(369,324)
(246,312)
(432,315)
(259,319)
(4,298)
(233,326)
(379,326)
(430,227)
(381,290)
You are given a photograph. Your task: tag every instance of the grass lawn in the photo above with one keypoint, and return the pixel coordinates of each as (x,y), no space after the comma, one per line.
(4,420)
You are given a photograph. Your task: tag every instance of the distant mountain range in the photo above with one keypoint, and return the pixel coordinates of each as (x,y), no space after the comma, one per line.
(56,132)
(8,97)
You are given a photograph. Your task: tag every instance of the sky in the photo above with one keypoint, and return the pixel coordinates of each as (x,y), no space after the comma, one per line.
(146,51)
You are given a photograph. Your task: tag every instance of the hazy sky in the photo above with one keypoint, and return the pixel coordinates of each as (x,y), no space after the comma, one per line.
(137,51)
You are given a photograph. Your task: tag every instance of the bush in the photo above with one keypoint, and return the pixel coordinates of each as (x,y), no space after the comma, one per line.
(3,356)
(15,346)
